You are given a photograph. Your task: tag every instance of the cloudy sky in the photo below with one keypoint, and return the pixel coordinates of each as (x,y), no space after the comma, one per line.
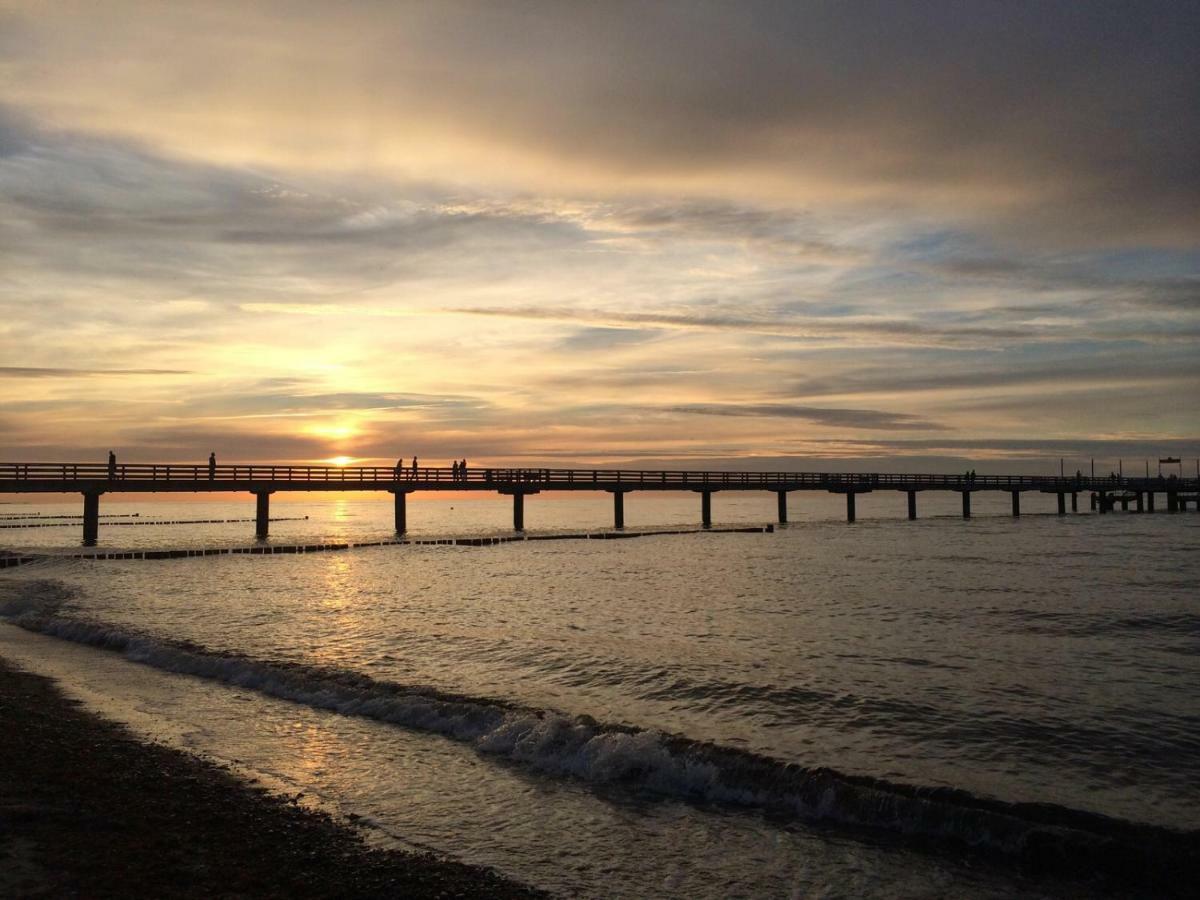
(542,233)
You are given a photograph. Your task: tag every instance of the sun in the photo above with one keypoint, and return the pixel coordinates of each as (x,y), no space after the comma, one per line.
(340,460)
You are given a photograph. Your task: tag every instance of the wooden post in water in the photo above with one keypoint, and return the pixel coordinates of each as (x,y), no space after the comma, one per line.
(849,506)
(518,511)
(1138,503)
(781,501)
(618,509)
(966,504)
(1016,504)
(401,504)
(1149,501)
(912,505)
(91,518)
(1062,503)
(706,509)
(1074,501)
(262,514)
(1101,501)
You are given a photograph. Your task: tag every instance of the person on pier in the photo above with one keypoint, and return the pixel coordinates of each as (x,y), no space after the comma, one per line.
(212,466)
(454,470)
(462,470)
(112,465)
(399,467)
(414,467)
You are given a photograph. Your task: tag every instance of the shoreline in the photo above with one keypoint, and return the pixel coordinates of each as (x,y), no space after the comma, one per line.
(86,809)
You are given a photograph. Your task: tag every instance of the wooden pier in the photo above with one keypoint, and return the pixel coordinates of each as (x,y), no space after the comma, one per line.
(95,479)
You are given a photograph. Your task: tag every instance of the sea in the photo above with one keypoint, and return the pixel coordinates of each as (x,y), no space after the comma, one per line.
(975,708)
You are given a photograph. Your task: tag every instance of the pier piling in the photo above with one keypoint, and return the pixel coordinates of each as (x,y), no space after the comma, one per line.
(1062,503)
(781,501)
(706,508)
(1016,504)
(912,505)
(91,518)
(262,514)
(849,506)
(618,509)
(966,504)
(401,510)
(518,511)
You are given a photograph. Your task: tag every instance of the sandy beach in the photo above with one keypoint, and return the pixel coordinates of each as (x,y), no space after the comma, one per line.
(87,810)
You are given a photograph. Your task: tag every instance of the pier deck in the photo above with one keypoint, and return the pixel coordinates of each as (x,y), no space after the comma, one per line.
(94,479)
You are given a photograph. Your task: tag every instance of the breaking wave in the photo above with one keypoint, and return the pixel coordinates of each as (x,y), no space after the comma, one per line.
(1042,838)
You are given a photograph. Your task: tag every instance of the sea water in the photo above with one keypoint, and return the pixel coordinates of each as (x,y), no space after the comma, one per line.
(904,708)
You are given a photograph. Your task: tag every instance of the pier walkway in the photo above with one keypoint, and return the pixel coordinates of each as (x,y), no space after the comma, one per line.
(95,479)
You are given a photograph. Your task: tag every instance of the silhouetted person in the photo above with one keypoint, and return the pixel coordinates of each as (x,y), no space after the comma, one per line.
(112,465)
(414,467)
(399,467)
(212,466)
(454,470)
(462,469)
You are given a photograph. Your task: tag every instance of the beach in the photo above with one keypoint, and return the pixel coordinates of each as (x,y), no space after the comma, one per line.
(86,810)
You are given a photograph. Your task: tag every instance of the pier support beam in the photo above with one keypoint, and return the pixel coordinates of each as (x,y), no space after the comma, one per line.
(1100,502)
(781,500)
(966,503)
(1124,504)
(1149,501)
(1062,503)
(912,505)
(91,518)
(1016,504)
(706,508)
(1074,501)
(1172,502)
(618,509)
(518,511)
(1139,504)
(262,514)
(849,506)
(401,510)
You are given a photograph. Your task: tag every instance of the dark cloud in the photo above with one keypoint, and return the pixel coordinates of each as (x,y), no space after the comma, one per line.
(771,322)
(35,372)
(833,418)
(1087,116)
(1062,373)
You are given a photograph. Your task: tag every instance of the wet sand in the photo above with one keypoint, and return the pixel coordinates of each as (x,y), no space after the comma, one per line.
(86,810)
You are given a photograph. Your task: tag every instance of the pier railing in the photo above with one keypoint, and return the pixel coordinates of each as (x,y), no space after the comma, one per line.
(187,476)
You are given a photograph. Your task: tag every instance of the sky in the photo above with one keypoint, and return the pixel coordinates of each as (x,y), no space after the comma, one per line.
(801,234)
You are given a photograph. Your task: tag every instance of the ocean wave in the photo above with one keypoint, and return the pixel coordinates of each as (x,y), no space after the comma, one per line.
(1037,837)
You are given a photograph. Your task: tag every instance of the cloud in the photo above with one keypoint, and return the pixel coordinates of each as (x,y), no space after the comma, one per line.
(833,418)
(1065,121)
(34,372)
(866,330)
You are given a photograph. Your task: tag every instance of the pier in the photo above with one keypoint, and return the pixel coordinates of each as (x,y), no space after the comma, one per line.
(93,480)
